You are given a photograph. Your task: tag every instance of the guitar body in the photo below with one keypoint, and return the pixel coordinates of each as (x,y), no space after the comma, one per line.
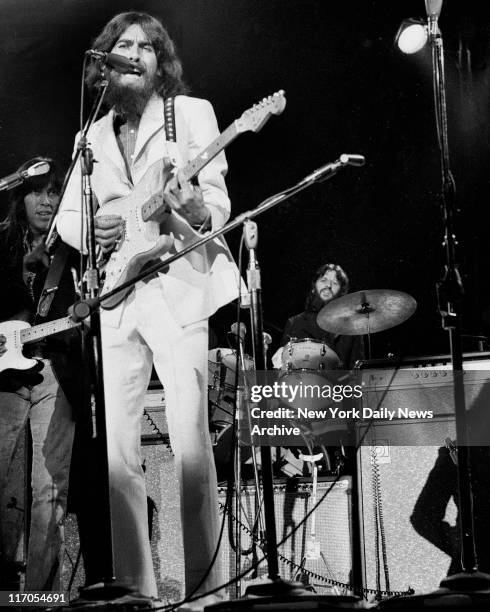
(141,241)
(13,358)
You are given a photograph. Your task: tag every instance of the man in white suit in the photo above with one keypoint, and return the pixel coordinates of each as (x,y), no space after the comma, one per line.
(165,319)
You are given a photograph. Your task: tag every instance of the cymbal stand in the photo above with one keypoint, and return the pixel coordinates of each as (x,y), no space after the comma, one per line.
(367,310)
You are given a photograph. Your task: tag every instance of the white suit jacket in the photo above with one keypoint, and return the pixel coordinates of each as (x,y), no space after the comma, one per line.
(204,280)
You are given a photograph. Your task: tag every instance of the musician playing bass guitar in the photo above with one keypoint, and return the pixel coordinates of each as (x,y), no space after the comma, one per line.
(36,396)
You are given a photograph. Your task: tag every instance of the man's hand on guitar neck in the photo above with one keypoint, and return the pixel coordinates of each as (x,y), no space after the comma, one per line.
(186,199)
(108,231)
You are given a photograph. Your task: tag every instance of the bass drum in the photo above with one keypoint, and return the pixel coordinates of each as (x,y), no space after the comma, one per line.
(306,364)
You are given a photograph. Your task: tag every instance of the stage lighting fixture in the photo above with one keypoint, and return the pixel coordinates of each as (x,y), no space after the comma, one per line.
(411,36)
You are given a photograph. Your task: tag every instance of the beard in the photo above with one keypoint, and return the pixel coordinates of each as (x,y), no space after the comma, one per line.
(316,303)
(130,100)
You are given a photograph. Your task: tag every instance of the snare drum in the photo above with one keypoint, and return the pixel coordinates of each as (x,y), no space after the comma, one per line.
(308,354)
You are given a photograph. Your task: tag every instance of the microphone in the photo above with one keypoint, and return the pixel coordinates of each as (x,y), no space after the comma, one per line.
(267,338)
(120,63)
(352,159)
(266,341)
(239,334)
(325,172)
(17,178)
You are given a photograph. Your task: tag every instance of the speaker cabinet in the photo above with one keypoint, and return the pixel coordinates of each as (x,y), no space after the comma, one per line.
(394,463)
(411,560)
(164,522)
(163,508)
(330,563)
(323,566)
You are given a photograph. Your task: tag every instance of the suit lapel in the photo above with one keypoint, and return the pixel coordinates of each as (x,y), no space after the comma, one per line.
(151,122)
(110,147)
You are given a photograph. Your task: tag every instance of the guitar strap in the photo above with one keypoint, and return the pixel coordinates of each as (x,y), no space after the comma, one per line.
(52,279)
(169,114)
(170,130)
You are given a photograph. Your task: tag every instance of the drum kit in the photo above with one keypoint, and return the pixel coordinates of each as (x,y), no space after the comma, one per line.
(361,313)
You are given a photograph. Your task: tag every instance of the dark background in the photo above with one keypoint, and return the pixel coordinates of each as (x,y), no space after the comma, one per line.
(348,90)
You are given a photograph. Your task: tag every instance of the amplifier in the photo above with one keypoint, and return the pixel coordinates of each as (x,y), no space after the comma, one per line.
(396,458)
(327,566)
(162,493)
(165,527)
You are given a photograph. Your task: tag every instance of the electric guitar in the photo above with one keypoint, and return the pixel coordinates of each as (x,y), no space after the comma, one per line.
(18,333)
(141,241)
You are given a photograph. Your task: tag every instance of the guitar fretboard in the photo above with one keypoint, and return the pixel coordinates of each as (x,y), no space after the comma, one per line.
(192,168)
(219,143)
(46,329)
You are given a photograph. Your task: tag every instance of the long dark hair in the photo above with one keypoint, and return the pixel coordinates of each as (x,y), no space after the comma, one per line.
(169,80)
(313,302)
(14,227)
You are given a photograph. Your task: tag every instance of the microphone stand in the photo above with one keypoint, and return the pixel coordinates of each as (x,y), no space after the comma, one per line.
(320,175)
(95,339)
(276,587)
(108,589)
(52,234)
(250,235)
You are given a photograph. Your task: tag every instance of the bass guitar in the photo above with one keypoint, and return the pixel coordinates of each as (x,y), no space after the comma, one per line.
(18,333)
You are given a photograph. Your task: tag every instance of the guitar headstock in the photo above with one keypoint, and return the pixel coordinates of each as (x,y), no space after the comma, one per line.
(255,118)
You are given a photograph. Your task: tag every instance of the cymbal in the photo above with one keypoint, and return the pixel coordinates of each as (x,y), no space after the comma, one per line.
(366,312)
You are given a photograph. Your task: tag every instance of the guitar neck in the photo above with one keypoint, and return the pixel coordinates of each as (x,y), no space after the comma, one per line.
(195,166)
(46,329)
(156,203)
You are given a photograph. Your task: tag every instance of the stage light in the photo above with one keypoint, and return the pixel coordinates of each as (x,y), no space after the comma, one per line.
(411,36)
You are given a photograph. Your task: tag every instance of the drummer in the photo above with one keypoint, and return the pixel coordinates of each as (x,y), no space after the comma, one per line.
(328,283)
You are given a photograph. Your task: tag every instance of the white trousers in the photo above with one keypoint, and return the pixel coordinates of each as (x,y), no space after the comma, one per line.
(148,333)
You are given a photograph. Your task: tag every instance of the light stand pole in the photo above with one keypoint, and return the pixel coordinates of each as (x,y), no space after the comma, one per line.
(469,587)
(450,293)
